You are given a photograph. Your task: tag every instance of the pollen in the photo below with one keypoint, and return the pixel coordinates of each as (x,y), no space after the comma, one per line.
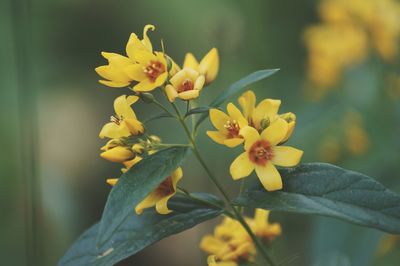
(233,128)
(154,70)
(261,152)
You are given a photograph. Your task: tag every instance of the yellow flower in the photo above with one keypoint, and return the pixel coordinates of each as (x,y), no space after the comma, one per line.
(124,123)
(262,115)
(262,154)
(208,66)
(150,71)
(212,261)
(226,251)
(290,118)
(185,84)
(262,228)
(114,72)
(160,196)
(228,126)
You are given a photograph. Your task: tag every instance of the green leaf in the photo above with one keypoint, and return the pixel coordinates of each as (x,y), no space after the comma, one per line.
(157,116)
(237,87)
(135,185)
(328,190)
(198,110)
(140,231)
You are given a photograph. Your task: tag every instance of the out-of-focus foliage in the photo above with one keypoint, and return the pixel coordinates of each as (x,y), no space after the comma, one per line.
(356,124)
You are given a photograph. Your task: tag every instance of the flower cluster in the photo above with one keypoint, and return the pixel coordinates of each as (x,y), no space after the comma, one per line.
(349,28)
(262,131)
(146,70)
(231,245)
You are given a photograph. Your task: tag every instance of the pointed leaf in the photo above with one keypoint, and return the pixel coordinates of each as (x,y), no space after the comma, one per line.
(328,190)
(140,231)
(198,110)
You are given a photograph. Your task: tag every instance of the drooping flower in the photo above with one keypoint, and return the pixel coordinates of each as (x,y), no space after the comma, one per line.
(208,66)
(185,84)
(262,154)
(160,196)
(125,122)
(228,126)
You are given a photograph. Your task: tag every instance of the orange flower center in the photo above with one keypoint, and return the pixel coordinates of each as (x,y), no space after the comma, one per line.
(165,188)
(154,69)
(186,85)
(233,128)
(261,152)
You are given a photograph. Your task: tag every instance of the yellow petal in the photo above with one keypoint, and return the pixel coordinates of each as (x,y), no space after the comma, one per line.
(241,166)
(144,85)
(135,72)
(218,119)
(144,57)
(248,102)
(134,126)
(114,131)
(276,132)
(148,202)
(209,65)
(261,218)
(146,41)
(267,109)
(286,156)
(216,136)
(112,181)
(233,142)
(129,164)
(116,60)
(115,84)
(269,177)
(190,61)
(134,45)
(235,114)
(211,244)
(117,154)
(162,205)
(250,135)
(171,93)
(189,95)
(112,73)
(178,78)
(199,83)
(131,99)
(122,108)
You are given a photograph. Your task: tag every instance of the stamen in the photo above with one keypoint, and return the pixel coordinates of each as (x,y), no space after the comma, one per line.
(153,70)
(186,85)
(233,128)
(261,152)
(116,120)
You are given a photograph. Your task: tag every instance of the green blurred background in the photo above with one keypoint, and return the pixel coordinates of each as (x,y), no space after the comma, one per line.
(52,180)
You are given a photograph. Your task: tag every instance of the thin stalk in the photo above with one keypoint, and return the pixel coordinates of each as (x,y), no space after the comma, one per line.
(242,185)
(236,213)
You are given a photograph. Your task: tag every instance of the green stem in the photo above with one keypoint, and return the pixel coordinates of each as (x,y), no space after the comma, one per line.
(242,185)
(236,213)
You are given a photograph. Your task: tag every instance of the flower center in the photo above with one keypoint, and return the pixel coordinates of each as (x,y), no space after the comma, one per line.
(261,152)
(233,128)
(154,69)
(186,85)
(165,188)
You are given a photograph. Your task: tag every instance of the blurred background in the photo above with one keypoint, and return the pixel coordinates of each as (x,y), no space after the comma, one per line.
(340,74)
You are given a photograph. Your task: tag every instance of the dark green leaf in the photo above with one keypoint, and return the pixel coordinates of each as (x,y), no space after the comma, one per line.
(328,190)
(138,232)
(237,87)
(135,185)
(157,116)
(198,110)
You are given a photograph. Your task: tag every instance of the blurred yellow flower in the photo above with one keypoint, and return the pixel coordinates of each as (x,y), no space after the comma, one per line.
(262,154)
(227,125)
(208,66)
(125,122)
(160,196)
(262,228)
(185,84)
(357,141)
(212,261)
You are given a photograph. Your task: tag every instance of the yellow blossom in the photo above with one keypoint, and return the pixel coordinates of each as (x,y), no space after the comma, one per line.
(160,196)
(208,66)
(125,122)
(185,84)
(227,125)
(262,228)
(150,71)
(212,261)
(262,154)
